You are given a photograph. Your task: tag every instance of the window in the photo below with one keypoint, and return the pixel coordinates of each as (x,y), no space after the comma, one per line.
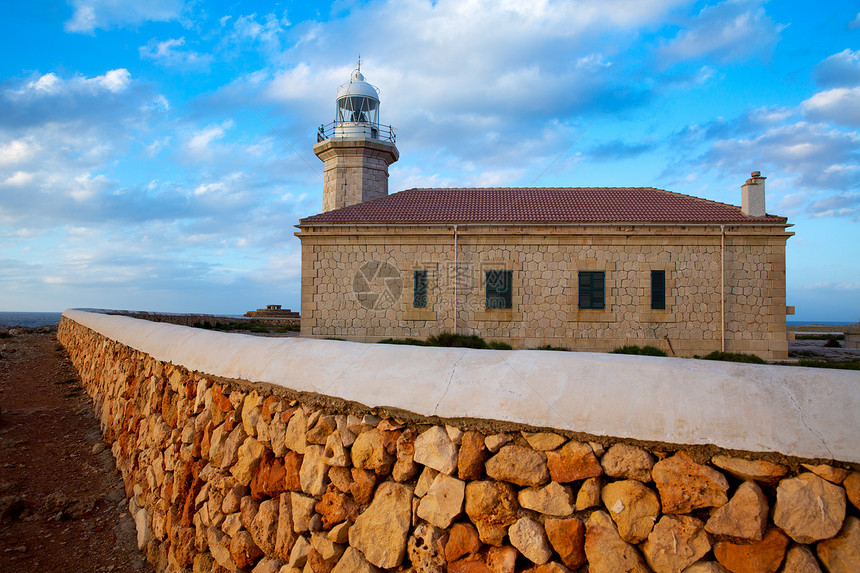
(592,289)
(419,289)
(499,289)
(658,290)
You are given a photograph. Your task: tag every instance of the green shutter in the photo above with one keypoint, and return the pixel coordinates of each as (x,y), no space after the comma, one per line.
(592,289)
(658,290)
(419,289)
(499,289)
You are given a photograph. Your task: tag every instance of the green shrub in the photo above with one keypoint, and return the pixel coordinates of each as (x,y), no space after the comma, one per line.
(410,341)
(832,342)
(734,357)
(551,347)
(449,340)
(640,350)
(840,364)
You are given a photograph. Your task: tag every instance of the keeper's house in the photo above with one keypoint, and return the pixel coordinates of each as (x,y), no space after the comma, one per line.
(588,269)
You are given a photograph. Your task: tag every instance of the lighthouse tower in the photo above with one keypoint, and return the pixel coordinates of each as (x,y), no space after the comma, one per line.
(355,148)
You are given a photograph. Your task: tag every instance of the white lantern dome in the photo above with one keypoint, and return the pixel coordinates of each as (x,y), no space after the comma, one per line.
(357,108)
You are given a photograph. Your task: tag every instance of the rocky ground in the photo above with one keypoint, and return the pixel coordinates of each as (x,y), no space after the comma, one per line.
(62,504)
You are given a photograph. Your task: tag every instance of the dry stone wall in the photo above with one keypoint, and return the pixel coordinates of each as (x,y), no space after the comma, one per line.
(228,475)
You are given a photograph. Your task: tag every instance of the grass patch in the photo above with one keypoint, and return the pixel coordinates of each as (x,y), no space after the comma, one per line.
(246,327)
(640,350)
(551,347)
(839,364)
(449,340)
(406,341)
(733,357)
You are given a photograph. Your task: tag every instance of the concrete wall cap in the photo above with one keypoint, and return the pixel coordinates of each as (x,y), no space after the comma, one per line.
(803,412)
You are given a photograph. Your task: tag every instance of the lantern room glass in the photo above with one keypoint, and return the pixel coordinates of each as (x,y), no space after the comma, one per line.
(357,109)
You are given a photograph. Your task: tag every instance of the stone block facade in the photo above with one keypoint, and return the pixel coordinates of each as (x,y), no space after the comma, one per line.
(357,284)
(231,475)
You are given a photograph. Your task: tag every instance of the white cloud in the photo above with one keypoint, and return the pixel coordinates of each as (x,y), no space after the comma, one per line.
(730,30)
(842,69)
(199,145)
(19,179)
(90,15)
(17,151)
(838,105)
(855,23)
(172,53)
(47,85)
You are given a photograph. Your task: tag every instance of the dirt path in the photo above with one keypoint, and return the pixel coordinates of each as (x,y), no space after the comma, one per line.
(62,504)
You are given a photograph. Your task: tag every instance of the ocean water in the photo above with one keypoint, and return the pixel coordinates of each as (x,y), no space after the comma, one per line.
(30,318)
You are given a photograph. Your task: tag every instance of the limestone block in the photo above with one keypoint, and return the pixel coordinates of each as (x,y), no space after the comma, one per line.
(443,501)
(842,553)
(573,461)
(543,441)
(295,437)
(302,511)
(809,508)
(353,561)
(264,526)
(334,453)
(606,551)
(369,452)
(685,485)
(762,556)
(800,559)
(519,465)
(675,543)
(434,448)
(629,462)
(314,471)
(248,458)
(285,536)
(463,540)
(424,549)
(472,456)
(529,537)
(633,506)
(252,407)
(492,507)
(828,472)
(495,442)
(588,495)
(380,532)
(567,537)
(744,516)
(553,499)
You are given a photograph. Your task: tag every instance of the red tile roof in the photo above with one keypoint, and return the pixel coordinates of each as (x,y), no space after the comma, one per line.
(539,205)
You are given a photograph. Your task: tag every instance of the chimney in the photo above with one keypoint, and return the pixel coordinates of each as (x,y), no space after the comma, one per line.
(752,195)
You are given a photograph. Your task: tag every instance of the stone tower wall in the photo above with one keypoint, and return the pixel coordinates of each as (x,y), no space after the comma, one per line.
(356,170)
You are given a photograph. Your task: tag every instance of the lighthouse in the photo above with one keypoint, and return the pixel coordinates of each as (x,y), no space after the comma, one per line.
(355,148)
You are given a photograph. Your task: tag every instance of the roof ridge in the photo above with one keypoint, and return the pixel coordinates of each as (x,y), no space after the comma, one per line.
(540,205)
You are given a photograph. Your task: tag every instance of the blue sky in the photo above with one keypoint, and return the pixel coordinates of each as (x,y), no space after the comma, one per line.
(147,148)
